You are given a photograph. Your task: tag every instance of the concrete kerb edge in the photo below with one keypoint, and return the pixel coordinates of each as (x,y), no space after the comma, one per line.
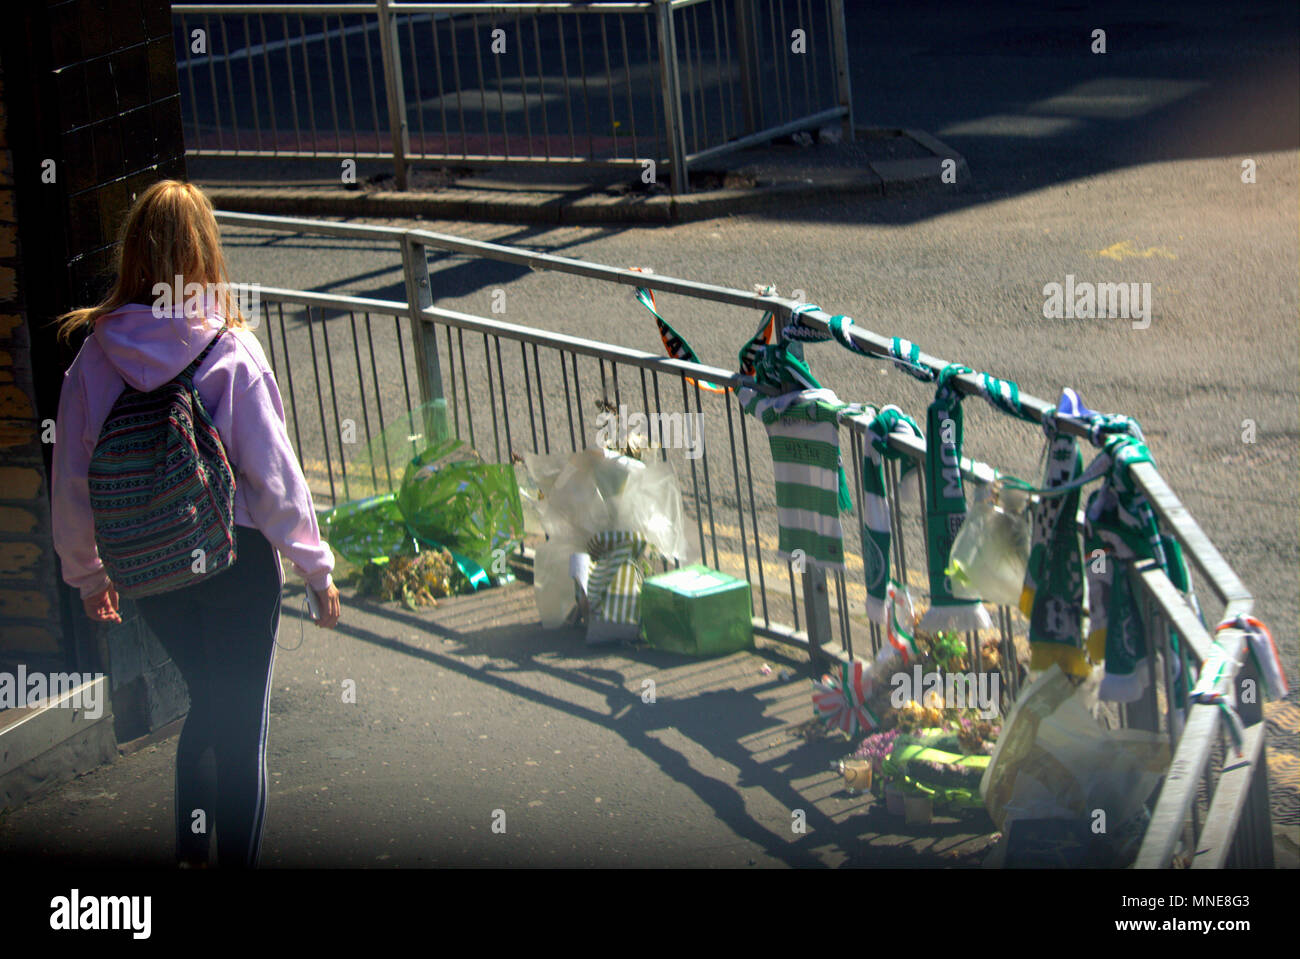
(880,178)
(905,176)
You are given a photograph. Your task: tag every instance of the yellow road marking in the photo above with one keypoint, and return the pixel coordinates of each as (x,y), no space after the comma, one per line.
(1125,250)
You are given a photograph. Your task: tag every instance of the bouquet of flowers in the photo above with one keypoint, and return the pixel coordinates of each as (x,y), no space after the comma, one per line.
(877,747)
(416,580)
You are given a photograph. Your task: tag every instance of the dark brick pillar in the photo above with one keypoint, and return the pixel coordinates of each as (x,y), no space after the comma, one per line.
(93,117)
(31,628)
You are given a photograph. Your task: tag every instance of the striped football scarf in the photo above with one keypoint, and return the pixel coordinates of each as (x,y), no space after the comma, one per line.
(779,364)
(945,498)
(750,352)
(881,605)
(620,563)
(1263,651)
(1052,597)
(905,354)
(811,488)
(1122,525)
(945,503)
(674,344)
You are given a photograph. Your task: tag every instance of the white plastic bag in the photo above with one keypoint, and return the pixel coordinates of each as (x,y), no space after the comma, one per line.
(1056,760)
(579,495)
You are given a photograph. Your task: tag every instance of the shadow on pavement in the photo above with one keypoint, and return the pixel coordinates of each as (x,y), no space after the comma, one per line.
(720,720)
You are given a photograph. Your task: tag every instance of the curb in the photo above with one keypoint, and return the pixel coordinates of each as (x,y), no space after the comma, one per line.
(883,178)
(44,746)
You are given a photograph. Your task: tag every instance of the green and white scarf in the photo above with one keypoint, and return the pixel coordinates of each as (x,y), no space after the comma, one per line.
(945,504)
(1115,540)
(875,505)
(905,354)
(1052,598)
(802,424)
(811,488)
(620,563)
(1122,525)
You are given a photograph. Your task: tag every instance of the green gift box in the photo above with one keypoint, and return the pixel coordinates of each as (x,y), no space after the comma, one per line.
(697,611)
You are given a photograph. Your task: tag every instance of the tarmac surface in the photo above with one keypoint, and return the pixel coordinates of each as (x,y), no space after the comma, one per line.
(468,716)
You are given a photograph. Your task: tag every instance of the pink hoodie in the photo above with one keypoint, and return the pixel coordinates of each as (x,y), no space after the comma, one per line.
(239,392)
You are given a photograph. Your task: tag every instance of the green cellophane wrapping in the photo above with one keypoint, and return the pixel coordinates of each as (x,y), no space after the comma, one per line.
(697,611)
(370,526)
(376,467)
(366,529)
(447,498)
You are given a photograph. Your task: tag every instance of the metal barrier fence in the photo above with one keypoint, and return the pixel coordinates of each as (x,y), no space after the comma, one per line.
(676,82)
(508,388)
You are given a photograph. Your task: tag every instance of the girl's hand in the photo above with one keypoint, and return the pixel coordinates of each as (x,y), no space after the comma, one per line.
(102,607)
(330,607)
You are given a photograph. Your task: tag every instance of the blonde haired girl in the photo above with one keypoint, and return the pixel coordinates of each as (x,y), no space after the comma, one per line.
(220,631)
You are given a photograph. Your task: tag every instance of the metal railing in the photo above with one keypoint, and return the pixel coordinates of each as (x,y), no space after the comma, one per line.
(675,83)
(507,388)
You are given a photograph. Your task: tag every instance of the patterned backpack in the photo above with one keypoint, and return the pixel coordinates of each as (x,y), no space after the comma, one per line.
(162,490)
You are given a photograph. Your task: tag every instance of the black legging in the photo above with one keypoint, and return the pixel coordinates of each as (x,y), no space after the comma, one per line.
(220,632)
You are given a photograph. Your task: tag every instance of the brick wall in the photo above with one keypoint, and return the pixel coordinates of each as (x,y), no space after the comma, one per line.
(29,601)
(91,88)
(113,72)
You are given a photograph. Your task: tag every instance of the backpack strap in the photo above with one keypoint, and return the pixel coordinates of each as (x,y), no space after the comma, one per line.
(187,374)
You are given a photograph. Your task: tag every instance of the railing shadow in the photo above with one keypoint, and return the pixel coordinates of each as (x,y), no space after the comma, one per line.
(719,721)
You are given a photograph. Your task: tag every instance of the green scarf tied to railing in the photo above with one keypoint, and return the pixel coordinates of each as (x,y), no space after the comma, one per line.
(1122,531)
(811,487)
(1052,598)
(802,424)
(875,506)
(944,497)
(781,365)
(905,354)
(945,504)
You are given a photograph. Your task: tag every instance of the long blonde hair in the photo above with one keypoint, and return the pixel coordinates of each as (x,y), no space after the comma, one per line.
(170,231)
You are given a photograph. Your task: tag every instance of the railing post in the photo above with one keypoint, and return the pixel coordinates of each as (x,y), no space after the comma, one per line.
(816,611)
(392,66)
(840,45)
(428,366)
(744,20)
(670,85)
(1144,713)
(1252,844)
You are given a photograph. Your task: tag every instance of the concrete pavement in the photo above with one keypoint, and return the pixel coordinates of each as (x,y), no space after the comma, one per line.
(469,715)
